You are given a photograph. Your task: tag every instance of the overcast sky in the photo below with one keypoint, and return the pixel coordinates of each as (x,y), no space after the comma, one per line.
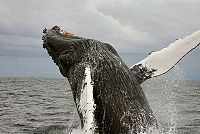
(132,27)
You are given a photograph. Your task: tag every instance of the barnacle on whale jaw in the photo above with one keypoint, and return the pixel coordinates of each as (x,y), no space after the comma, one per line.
(49,50)
(66,33)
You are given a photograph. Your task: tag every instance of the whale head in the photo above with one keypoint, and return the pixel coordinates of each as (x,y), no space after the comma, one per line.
(67,50)
(63,47)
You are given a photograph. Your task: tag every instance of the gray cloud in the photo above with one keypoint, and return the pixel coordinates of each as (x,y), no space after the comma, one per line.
(130,26)
(163,20)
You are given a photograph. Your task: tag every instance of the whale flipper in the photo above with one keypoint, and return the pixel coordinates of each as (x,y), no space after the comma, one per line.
(160,62)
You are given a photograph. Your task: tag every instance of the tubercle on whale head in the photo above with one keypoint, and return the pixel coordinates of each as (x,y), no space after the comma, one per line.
(58,28)
(64,48)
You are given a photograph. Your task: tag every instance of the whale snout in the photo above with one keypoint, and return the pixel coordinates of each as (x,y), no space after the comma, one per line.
(64,48)
(56,42)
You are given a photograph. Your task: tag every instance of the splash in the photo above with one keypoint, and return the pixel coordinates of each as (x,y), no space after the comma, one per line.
(174,84)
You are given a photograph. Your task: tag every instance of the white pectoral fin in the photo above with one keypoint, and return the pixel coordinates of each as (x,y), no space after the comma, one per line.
(87,105)
(160,62)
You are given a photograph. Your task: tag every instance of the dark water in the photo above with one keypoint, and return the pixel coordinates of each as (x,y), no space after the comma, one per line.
(176,104)
(39,105)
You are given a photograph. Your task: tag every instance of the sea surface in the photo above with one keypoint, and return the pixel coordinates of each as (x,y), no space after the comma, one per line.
(44,105)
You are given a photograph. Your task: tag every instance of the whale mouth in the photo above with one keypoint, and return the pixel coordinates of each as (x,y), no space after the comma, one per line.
(50,52)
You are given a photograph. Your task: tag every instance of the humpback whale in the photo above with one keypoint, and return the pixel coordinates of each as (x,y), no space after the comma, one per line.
(107,93)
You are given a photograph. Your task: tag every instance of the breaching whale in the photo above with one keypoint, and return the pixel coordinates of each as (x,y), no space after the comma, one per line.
(107,93)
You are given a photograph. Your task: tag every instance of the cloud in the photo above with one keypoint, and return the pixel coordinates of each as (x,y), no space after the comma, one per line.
(22,22)
(133,27)
(130,26)
(122,36)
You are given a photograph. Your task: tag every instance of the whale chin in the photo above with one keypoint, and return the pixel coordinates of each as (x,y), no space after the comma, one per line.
(55,43)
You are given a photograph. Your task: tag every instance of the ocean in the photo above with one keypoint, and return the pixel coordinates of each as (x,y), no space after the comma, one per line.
(46,105)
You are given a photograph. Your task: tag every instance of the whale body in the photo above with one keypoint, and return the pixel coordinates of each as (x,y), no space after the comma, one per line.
(107,93)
